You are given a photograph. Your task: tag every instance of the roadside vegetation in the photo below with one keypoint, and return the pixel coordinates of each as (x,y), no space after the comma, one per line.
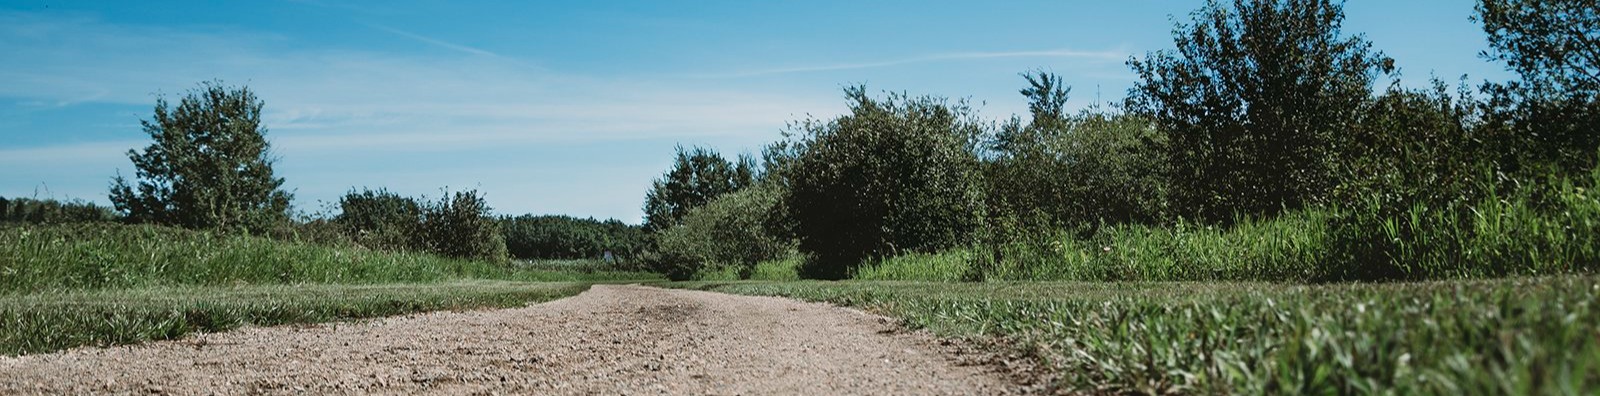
(1274,208)
(202,238)
(1512,336)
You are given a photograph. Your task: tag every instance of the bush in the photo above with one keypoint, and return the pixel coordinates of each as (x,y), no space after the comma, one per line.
(380,219)
(729,232)
(461,225)
(895,175)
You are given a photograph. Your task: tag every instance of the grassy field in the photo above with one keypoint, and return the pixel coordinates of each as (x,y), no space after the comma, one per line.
(63,286)
(49,321)
(36,258)
(1513,336)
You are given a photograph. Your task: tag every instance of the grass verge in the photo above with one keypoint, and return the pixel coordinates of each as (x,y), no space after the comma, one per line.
(1510,336)
(50,321)
(42,258)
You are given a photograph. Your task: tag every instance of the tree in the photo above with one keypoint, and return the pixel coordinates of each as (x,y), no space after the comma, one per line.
(208,167)
(1253,102)
(894,175)
(563,237)
(1549,121)
(697,176)
(1553,44)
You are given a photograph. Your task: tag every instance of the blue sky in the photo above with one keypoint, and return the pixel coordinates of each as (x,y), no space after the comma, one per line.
(564,107)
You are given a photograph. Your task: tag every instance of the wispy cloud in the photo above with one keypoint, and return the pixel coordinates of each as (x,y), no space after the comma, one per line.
(331,98)
(944,57)
(325,104)
(433,41)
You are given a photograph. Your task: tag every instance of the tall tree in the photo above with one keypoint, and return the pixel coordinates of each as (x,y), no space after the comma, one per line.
(208,167)
(697,176)
(1253,101)
(1554,44)
(1550,119)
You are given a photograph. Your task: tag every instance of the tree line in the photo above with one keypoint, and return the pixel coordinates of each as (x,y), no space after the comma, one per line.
(209,166)
(1262,114)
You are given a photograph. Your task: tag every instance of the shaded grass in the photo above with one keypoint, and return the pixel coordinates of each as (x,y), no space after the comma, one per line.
(35,258)
(948,266)
(50,321)
(1509,336)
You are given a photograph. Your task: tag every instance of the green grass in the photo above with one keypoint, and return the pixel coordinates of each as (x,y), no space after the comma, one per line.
(1511,336)
(49,321)
(36,258)
(69,285)
(949,266)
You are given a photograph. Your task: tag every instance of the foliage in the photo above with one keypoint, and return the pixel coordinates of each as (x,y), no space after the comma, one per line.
(208,167)
(379,219)
(50,211)
(530,237)
(1414,146)
(1553,44)
(731,231)
(1077,172)
(1549,120)
(1252,101)
(1509,336)
(459,225)
(697,176)
(462,226)
(897,174)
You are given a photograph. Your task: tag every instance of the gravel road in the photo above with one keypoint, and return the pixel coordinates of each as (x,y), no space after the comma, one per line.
(608,340)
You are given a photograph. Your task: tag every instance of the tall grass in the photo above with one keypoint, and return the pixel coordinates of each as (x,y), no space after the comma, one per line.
(36,258)
(1539,229)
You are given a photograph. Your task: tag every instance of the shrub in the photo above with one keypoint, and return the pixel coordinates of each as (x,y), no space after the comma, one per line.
(380,219)
(461,225)
(895,175)
(729,232)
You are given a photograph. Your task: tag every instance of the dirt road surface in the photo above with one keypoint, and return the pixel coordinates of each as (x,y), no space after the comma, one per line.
(608,340)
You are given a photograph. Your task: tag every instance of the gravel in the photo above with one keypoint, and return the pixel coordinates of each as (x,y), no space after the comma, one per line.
(611,339)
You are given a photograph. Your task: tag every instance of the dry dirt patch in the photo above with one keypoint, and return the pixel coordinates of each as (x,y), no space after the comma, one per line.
(608,340)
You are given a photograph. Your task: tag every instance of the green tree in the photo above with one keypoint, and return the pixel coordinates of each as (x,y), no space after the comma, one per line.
(697,176)
(564,237)
(208,167)
(894,175)
(1549,120)
(1553,44)
(1254,101)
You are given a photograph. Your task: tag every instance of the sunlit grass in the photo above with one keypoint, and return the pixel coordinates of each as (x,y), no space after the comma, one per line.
(1509,336)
